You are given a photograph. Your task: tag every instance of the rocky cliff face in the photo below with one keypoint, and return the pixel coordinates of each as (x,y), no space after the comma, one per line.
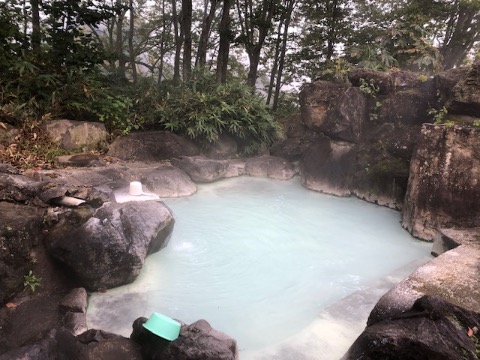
(359,139)
(444,186)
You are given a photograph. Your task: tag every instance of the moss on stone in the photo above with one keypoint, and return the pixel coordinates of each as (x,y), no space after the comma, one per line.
(388,168)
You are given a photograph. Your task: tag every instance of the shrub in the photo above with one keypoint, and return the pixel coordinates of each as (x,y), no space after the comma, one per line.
(202,110)
(31,281)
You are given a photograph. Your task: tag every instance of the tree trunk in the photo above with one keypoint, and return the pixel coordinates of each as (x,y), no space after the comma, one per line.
(463,30)
(201,59)
(273,73)
(119,42)
(36,36)
(254,60)
(331,37)
(162,44)
(178,43)
(281,61)
(224,47)
(253,22)
(186,24)
(131,49)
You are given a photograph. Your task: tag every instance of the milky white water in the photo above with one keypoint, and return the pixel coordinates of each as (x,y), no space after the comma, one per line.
(260,259)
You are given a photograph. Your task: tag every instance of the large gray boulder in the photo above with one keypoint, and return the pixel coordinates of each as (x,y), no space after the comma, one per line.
(71,134)
(298,139)
(443,186)
(201,169)
(431,329)
(316,99)
(169,181)
(151,146)
(453,276)
(449,238)
(445,82)
(347,118)
(270,166)
(19,188)
(387,82)
(226,147)
(465,98)
(196,341)
(109,248)
(329,166)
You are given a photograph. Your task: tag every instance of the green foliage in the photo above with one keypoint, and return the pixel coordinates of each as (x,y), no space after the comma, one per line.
(422,78)
(31,281)
(372,57)
(99,100)
(69,45)
(202,110)
(52,79)
(369,88)
(438,115)
(336,70)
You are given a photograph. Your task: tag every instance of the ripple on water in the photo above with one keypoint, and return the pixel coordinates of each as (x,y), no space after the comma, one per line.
(259,259)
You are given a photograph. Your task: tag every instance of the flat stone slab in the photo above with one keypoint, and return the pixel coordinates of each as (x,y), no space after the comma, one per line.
(448,239)
(454,276)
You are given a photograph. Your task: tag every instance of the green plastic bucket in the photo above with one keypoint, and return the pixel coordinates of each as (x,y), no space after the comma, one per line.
(163,326)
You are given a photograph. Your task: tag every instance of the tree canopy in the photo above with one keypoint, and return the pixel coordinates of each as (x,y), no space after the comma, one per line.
(98,59)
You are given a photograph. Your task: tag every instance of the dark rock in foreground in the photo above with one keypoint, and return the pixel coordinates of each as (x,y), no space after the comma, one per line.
(431,329)
(454,276)
(20,230)
(109,248)
(197,341)
(92,344)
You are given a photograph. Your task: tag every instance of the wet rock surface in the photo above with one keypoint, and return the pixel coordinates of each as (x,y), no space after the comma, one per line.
(329,166)
(108,248)
(449,238)
(316,99)
(431,329)
(196,341)
(465,98)
(365,136)
(92,344)
(387,82)
(443,186)
(452,276)
(169,181)
(270,166)
(201,169)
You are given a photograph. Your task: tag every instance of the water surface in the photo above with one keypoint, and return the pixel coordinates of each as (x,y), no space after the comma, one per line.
(260,259)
